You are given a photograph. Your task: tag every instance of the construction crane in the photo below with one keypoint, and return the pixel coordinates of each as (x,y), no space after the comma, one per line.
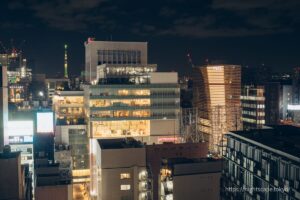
(13,50)
(13,53)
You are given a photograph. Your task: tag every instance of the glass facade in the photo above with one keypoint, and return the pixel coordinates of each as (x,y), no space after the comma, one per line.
(126,110)
(69,108)
(253,107)
(79,148)
(259,170)
(121,128)
(119,57)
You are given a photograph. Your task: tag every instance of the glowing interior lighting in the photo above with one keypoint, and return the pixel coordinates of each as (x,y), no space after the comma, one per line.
(45,122)
(293,107)
(19,128)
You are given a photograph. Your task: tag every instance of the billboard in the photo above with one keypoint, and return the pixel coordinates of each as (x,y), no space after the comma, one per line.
(45,122)
(20,128)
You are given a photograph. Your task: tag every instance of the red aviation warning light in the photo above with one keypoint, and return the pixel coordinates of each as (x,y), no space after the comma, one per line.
(90,39)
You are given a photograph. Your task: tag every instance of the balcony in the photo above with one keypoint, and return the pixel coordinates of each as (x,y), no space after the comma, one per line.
(107,118)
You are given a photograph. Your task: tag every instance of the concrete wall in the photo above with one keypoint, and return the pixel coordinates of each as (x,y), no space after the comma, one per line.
(57,192)
(111,184)
(10,178)
(119,158)
(166,127)
(110,164)
(164,77)
(195,187)
(158,151)
(91,57)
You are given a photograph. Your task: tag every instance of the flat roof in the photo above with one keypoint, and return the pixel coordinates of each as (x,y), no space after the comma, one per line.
(185,166)
(183,160)
(119,143)
(285,138)
(9,155)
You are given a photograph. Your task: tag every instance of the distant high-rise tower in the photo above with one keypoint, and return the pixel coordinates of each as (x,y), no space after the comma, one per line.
(66,62)
(217,91)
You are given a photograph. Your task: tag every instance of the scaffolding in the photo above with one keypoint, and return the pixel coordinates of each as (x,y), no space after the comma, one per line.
(198,125)
(189,125)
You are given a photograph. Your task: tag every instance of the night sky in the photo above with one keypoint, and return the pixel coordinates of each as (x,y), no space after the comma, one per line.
(246,32)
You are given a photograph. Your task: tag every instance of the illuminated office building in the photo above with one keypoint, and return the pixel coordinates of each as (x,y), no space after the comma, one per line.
(68,107)
(56,84)
(19,77)
(70,131)
(20,138)
(138,74)
(76,139)
(217,90)
(265,162)
(111,52)
(127,97)
(253,107)
(134,110)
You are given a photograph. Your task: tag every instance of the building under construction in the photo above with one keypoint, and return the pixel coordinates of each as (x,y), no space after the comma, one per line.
(217,90)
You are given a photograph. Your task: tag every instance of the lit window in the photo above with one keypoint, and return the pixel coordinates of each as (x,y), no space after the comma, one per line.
(124,176)
(125,187)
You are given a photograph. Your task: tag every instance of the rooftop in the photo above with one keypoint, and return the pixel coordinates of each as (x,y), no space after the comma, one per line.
(70,93)
(181,160)
(9,155)
(185,166)
(285,138)
(120,143)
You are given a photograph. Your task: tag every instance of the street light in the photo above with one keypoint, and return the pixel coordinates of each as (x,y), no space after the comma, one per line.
(41,93)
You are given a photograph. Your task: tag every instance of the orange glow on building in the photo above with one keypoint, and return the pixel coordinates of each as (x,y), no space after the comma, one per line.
(217,90)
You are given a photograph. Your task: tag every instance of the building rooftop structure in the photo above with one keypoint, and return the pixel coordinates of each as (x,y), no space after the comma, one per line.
(9,155)
(185,166)
(282,138)
(123,143)
(183,178)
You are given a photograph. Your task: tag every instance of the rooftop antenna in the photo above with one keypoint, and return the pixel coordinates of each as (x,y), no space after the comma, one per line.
(66,62)
(190,60)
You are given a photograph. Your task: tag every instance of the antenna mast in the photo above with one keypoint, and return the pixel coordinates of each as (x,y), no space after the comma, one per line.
(66,62)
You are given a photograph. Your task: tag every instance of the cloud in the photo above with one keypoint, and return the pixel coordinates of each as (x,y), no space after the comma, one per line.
(213,18)
(15,25)
(63,14)
(241,5)
(167,11)
(234,18)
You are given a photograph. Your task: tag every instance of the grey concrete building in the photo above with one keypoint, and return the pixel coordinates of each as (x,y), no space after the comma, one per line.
(112,52)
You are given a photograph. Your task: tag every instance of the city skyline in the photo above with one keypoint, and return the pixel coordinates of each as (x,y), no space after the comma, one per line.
(149,100)
(248,33)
